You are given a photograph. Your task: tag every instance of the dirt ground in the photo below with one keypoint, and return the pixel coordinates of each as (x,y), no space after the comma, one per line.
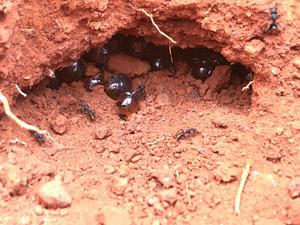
(110,171)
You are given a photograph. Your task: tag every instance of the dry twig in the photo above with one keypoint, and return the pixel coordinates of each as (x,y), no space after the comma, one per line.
(20,91)
(21,123)
(171,55)
(17,141)
(241,188)
(153,22)
(156,141)
(248,85)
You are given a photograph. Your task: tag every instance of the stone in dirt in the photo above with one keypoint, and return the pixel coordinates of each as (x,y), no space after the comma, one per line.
(54,195)
(254,47)
(165,176)
(12,179)
(296,62)
(121,63)
(219,79)
(59,125)
(294,187)
(119,185)
(91,70)
(102,133)
(169,195)
(225,174)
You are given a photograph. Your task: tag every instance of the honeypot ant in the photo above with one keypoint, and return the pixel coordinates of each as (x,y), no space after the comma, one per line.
(128,102)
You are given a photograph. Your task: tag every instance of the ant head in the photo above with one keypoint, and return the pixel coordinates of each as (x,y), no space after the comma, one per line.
(273,9)
(140,90)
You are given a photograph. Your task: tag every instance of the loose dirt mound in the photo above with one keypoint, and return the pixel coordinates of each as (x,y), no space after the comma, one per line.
(135,172)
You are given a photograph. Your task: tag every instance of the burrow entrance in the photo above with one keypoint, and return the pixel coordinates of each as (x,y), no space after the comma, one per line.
(127,63)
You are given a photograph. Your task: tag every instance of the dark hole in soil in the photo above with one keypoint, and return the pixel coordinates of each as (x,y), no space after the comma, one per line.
(205,73)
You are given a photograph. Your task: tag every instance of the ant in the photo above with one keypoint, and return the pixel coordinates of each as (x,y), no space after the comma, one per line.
(85,108)
(93,82)
(274,16)
(181,134)
(39,137)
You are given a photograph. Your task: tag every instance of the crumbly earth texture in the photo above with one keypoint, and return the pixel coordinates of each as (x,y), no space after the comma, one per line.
(112,171)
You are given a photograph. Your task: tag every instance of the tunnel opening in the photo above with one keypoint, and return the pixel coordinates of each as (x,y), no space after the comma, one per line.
(126,64)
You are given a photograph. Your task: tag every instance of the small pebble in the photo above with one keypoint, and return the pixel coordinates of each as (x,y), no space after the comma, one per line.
(254,47)
(103,133)
(91,70)
(294,187)
(164,176)
(296,62)
(119,185)
(151,200)
(59,125)
(54,195)
(225,174)
(38,210)
(136,158)
(109,170)
(169,195)
(275,70)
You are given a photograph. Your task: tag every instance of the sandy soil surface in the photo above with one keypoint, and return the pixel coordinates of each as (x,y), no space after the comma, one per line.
(111,171)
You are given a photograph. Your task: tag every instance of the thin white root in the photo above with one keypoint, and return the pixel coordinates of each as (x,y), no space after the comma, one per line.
(244,177)
(156,141)
(21,123)
(17,141)
(20,91)
(153,22)
(247,86)
(171,55)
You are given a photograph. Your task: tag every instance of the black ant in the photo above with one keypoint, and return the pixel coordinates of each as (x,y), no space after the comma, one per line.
(39,137)
(274,16)
(93,82)
(181,134)
(128,102)
(85,108)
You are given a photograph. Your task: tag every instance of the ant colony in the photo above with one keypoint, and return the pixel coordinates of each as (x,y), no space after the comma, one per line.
(208,72)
